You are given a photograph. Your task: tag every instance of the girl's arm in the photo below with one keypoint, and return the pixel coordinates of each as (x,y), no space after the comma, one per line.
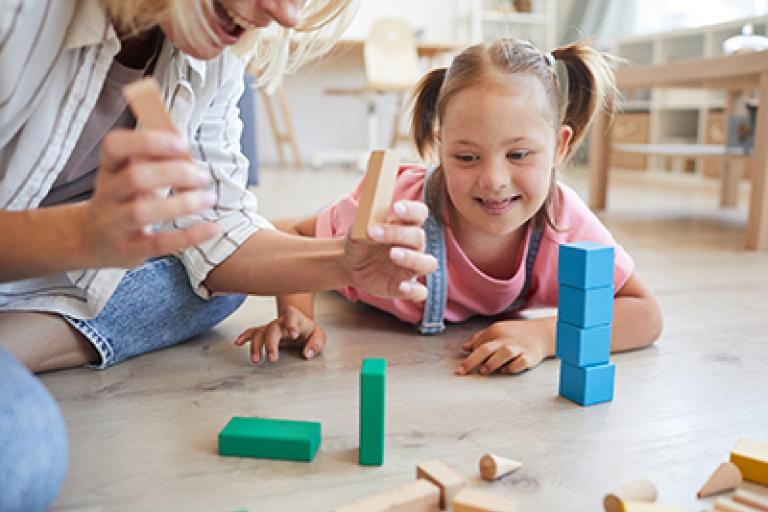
(295,314)
(304,302)
(512,346)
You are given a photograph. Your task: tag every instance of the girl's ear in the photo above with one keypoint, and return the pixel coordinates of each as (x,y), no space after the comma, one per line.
(564,136)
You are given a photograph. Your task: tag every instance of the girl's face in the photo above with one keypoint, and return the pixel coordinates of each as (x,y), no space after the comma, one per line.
(229,19)
(497,149)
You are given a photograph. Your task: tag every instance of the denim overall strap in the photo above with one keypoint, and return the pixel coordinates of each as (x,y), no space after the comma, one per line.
(530,260)
(432,321)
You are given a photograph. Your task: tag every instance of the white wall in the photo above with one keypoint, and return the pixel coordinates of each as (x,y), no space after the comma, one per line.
(324,122)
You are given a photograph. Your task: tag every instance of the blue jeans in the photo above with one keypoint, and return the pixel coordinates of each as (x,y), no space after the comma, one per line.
(153,307)
(33,440)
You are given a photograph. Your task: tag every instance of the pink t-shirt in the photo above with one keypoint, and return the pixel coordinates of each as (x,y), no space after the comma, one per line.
(470,291)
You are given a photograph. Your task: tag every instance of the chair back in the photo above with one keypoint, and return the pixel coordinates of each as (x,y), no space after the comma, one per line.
(391,57)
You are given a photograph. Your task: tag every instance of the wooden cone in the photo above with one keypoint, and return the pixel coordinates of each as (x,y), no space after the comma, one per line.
(639,490)
(726,477)
(493,467)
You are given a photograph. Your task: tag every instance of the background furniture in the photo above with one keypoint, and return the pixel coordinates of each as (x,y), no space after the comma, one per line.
(734,74)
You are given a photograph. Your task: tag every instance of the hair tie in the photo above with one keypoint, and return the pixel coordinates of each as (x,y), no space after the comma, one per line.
(550,59)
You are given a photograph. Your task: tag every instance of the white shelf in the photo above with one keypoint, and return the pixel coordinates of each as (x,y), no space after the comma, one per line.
(678,117)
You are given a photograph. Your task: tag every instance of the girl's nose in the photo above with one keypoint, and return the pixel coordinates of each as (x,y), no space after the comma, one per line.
(494,177)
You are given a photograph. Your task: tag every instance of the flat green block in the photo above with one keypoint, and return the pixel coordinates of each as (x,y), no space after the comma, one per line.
(270,439)
(373,396)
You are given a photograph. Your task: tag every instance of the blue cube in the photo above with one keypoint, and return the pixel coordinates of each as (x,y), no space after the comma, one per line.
(583,347)
(587,385)
(585,308)
(585,265)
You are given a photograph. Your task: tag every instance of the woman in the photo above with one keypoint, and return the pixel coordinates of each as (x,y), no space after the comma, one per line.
(81,189)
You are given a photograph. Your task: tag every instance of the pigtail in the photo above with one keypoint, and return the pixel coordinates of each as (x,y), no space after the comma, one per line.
(424,118)
(591,87)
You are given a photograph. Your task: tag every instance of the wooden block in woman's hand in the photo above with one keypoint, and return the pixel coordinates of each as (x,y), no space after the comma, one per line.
(376,197)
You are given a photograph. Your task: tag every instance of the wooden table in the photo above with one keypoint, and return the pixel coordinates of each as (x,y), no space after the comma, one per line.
(732,73)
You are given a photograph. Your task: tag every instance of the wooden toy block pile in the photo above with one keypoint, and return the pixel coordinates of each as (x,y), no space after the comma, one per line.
(585,313)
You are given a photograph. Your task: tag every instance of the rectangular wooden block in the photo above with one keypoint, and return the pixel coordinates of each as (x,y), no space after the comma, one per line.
(437,472)
(147,105)
(416,496)
(472,500)
(751,457)
(585,265)
(376,196)
(583,347)
(270,439)
(587,385)
(373,394)
(585,308)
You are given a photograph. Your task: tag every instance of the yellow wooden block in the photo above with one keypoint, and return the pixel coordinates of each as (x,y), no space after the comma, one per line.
(643,506)
(751,457)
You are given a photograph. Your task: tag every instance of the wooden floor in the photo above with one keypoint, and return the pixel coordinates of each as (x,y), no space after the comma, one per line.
(143,434)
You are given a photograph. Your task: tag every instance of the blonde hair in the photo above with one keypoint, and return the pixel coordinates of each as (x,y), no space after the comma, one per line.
(271,52)
(590,87)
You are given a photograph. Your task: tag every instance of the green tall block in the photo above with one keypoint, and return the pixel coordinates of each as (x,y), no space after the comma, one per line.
(373,397)
(264,438)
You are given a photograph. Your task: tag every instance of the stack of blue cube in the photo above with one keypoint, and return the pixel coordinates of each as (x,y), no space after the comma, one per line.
(585,313)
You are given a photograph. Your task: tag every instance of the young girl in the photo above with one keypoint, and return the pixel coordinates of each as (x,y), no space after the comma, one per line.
(497,211)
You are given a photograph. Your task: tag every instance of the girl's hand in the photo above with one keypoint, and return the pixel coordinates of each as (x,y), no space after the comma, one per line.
(509,346)
(290,327)
(389,266)
(125,203)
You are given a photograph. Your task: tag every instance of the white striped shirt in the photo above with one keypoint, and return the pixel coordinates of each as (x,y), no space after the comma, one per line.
(54,57)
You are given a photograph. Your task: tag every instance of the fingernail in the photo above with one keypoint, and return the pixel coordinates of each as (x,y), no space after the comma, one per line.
(293,333)
(376,232)
(309,354)
(406,287)
(400,208)
(397,254)
(460,370)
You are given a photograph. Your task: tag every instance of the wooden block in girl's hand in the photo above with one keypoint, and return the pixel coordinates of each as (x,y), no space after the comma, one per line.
(376,196)
(147,105)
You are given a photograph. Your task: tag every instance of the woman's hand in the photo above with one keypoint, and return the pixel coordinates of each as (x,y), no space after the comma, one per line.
(126,203)
(389,267)
(509,346)
(290,327)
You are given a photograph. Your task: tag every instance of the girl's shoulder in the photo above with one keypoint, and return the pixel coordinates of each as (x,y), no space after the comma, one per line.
(574,220)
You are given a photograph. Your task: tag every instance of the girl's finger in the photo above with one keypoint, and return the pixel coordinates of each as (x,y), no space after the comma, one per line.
(272,337)
(502,356)
(315,344)
(246,336)
(478,357)
(518,365)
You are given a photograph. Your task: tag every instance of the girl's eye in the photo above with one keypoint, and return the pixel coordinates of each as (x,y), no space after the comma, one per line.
(466,158)
(517,155)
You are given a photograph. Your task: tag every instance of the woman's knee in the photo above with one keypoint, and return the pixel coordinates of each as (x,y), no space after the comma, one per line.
(34,454)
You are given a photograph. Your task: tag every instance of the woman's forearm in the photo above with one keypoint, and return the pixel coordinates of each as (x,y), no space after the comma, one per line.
(275,263)
(41,242)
